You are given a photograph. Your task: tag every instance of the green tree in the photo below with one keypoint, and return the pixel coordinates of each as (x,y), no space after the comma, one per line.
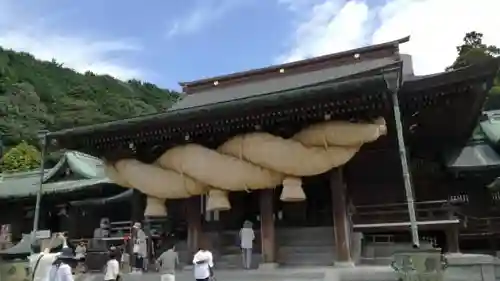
(37,95)
(473,51)
(21,158)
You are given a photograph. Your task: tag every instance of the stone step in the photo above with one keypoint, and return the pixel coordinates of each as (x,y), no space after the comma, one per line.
(307,259)
(232,238)
(376,261)
(303,232)
(306,242)
(232,250)
(285,250)
(234,261)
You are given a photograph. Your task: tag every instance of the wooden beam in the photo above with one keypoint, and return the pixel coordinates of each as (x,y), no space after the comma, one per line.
(341,222)
(267,230)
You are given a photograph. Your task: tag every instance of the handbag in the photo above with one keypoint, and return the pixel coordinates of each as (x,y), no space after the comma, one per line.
(136,248)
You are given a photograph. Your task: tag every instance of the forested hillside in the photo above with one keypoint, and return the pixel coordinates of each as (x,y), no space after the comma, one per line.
(38,94)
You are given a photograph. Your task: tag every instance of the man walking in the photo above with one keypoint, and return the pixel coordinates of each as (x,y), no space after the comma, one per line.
(203,264)
(167,262)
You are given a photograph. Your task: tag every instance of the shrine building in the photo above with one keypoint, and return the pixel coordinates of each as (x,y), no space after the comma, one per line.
(343,208)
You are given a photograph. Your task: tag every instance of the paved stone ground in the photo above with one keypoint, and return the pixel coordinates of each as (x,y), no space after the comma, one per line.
(281,274)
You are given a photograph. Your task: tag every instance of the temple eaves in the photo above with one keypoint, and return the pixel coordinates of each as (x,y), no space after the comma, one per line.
(222,104)
(87,170)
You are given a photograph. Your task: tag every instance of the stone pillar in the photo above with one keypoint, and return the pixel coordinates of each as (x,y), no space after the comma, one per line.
(452,239)
(267,231)
(193,218)
(341,222)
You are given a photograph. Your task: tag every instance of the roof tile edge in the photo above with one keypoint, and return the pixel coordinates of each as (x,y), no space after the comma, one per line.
(295,64)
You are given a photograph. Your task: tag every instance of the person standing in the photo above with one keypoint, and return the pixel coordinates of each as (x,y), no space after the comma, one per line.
(140,247)
(112,267)
(61,268)
(203,262)
(167,262)
(247,236)
(80,253)
(40,262)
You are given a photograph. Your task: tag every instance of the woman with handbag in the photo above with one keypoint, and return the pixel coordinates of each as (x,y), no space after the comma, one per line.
(139,247)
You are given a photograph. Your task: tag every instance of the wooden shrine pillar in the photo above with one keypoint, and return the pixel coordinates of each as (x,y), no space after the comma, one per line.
(192,210)
(267,231)
(137,202)
(452,239)
(341,221)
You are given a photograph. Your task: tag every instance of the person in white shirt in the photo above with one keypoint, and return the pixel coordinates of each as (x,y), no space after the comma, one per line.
(112,268)
(246,242)
(203,262)
(41,262)
(61,268)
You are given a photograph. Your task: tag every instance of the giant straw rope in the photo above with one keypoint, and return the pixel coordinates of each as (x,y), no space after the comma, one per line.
(249,161)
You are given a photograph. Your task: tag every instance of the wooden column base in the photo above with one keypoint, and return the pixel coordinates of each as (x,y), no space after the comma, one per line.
(452,239)
(341,222)
(193,218)
(267,230)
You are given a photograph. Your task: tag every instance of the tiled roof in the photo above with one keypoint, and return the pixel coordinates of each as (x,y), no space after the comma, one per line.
(89,169)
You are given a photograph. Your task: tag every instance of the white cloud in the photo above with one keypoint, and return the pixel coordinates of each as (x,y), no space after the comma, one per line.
(26,33)
(436,27)
(202,15)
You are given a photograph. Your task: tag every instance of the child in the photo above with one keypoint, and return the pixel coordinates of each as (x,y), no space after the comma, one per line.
(112,268)
(125,259)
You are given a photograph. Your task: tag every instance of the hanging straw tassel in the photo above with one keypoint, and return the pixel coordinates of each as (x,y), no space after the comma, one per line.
(218,200)
(383,126)
(155,207)
(292,190)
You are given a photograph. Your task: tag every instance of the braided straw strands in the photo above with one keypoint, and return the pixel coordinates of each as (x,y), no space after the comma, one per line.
(250,161)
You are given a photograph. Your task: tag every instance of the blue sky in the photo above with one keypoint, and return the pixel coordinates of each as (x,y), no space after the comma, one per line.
(170,41)
(184,40)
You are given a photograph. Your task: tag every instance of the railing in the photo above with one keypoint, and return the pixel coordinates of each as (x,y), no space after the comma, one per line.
(396,214)
(479,226)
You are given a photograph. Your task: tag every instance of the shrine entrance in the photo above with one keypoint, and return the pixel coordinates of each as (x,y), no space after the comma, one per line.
(245,206)
(316,210)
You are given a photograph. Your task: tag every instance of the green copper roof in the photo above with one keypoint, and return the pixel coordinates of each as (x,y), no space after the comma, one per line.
(491,126)
(481,152)
(475,156)
(87,170)
(23,248)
